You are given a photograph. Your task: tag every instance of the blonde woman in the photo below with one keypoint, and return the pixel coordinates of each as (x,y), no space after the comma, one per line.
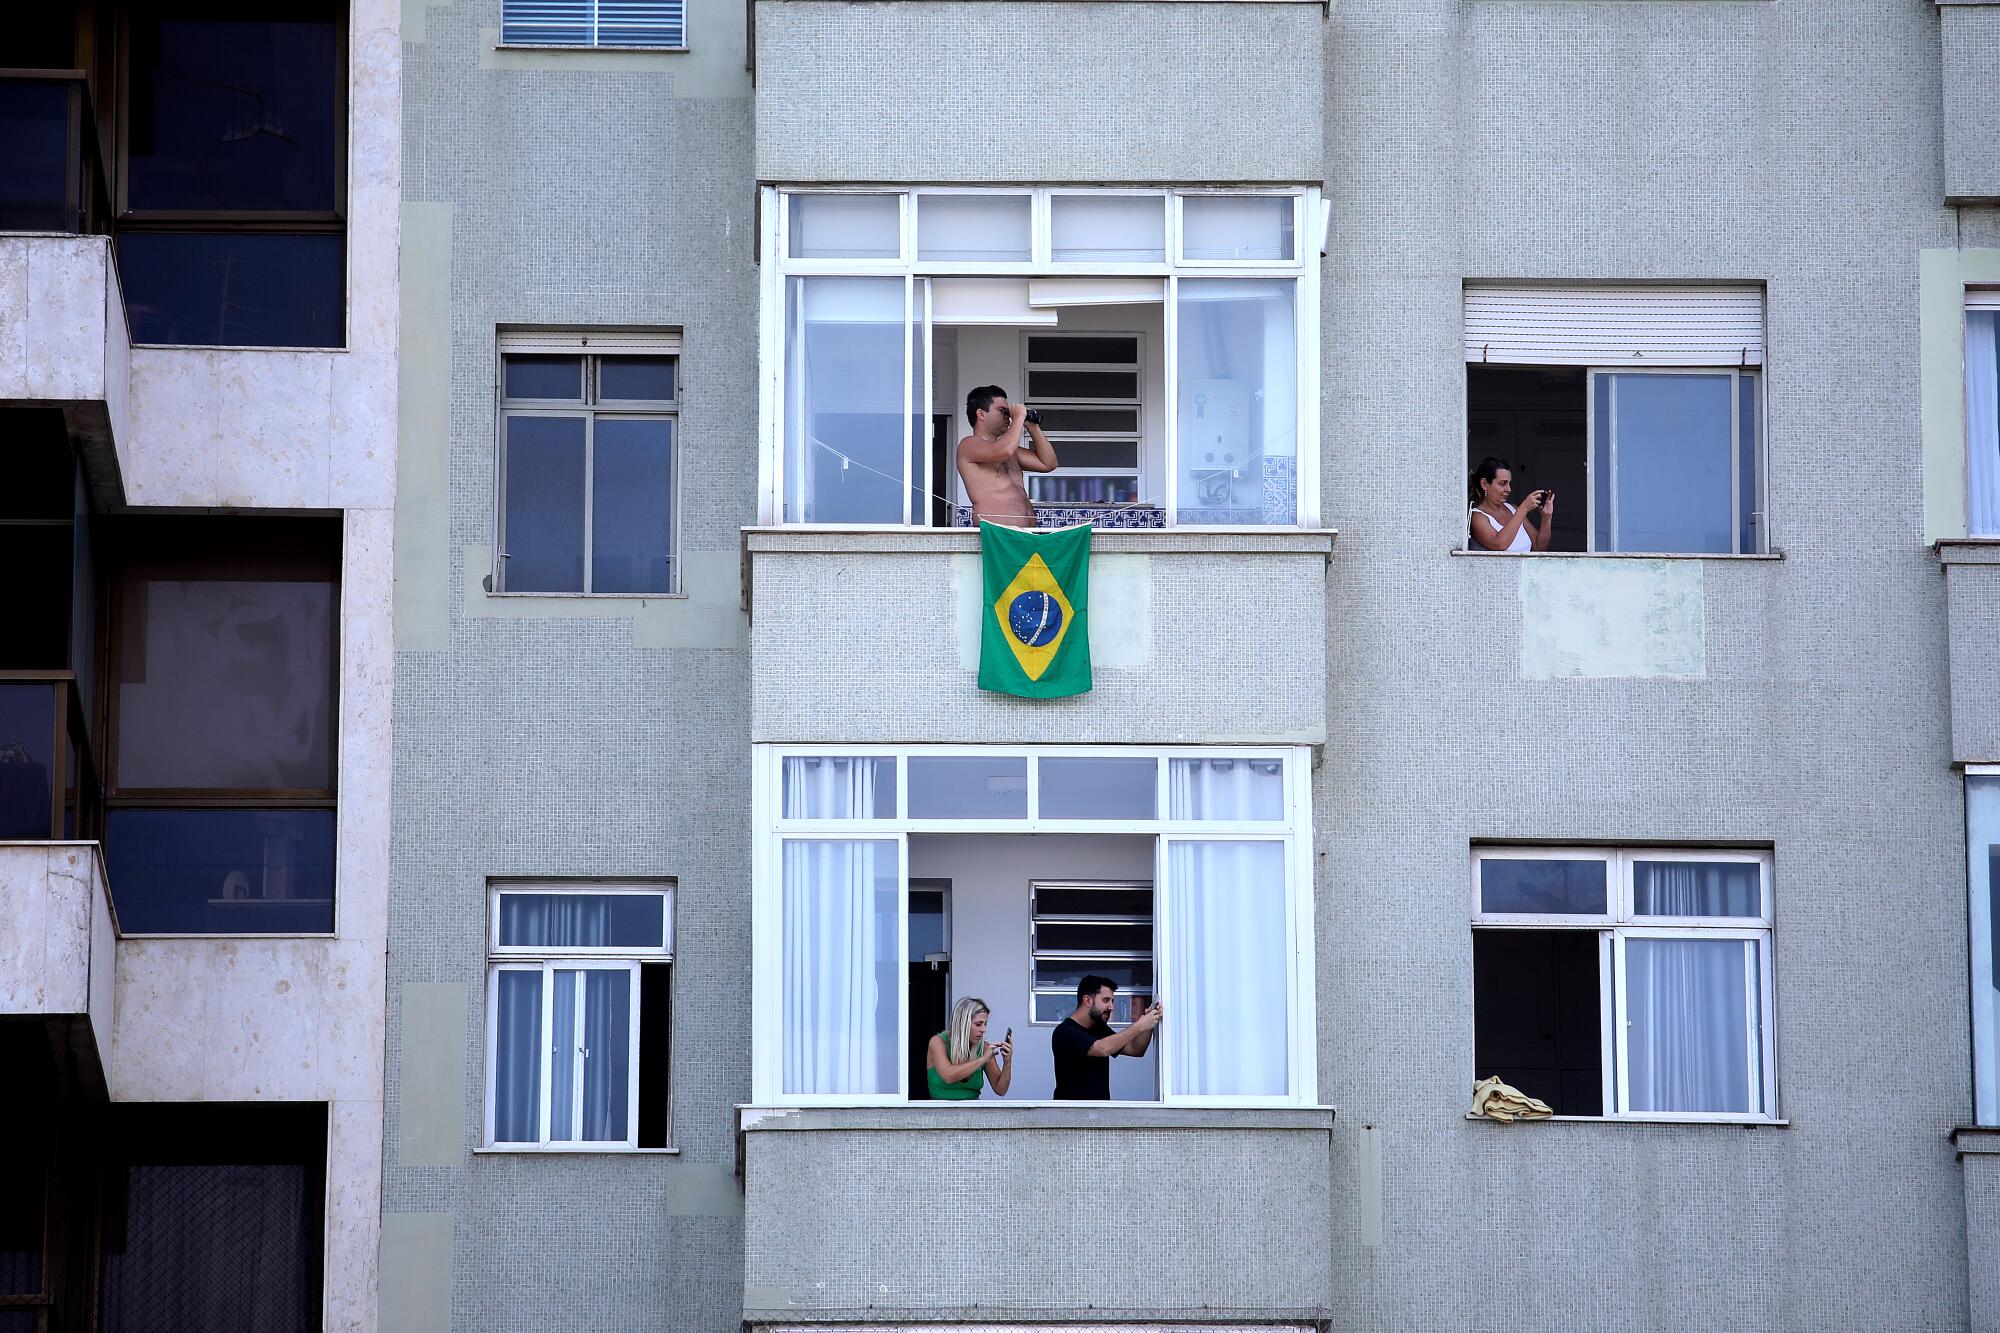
(960,1058)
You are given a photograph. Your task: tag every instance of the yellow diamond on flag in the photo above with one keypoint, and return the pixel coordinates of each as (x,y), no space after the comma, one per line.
(1034,616)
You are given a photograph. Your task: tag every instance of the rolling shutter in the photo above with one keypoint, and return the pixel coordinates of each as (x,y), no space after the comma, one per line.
(607,341)
(1615,326)
(1982,298)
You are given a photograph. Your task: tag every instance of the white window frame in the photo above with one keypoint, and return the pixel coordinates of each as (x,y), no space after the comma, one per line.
(1759,515)
(548,961)
(919,396)
(1293,831)
(594,348)
(1617,924)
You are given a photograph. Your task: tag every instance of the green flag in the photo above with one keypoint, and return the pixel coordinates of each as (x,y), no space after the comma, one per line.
(1036,640)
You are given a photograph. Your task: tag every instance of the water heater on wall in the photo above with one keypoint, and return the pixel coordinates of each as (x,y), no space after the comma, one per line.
(1215,440)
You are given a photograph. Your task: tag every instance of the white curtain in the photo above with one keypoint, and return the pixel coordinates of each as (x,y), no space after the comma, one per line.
(1982,422)
(838,787)
(1697,888)
(1689,1029)
(1226,789)
(607,1055)
(1228,1031)
(839,979)
(517,1051)
(556,920)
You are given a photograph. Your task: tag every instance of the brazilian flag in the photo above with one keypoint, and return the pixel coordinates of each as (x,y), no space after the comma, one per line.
(1037,638)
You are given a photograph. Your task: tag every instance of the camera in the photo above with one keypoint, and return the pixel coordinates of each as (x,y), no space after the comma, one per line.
(1035,416)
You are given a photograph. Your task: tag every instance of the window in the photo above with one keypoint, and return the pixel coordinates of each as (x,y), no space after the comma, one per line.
(649,24)
(1982,828)
(1626,983)
(578,1005)
(1161,332)
(219,812)
(1086,929)
(232,174)
(589,465)
(1641,408)
(1982,413)
(1182,874)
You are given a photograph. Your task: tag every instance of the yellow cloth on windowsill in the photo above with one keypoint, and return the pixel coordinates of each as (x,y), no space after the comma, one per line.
(1494,1100)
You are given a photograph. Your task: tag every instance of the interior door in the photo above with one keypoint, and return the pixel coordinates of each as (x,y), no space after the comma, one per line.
(930,974)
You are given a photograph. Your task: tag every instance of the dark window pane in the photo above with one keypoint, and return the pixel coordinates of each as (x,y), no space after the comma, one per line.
(558,377)
(1543,886)
(1535,1016)
(1125,973)
(41,471)
(655,1051)
(1100,453)
(1697,888)
(36,597)
(35,169)
(225,684)
(637,23)
(582,920)
(233,113)
(234,289)
(27,759)
(1094,936)
(1136,902)
(527,24)
(228,871)
(517,1058)
(543,549)
(1086,384)
(650,378)
(1097,351)
(1101,420)
(212,1219)
(631,531)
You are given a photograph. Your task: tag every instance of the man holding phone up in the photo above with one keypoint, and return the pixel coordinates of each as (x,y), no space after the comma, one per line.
(1084,1043)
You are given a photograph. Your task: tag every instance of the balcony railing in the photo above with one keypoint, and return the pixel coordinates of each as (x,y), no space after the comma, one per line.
(52,173)
(48,785)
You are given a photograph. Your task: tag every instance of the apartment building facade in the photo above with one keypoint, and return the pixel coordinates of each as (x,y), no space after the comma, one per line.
(198,238)
(1677,821)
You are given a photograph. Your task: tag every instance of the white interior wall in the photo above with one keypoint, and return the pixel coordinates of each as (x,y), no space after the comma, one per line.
(989,876)
(998,355)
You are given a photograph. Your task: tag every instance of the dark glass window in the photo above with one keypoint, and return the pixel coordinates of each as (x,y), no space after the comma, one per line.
(1543,887)
(235,289)
(35,170)
(27,758)
(230,216)
(222,749)
(1535,1016)
(213,1219)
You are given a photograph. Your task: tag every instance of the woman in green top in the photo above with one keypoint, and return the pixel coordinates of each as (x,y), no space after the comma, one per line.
(960,1058)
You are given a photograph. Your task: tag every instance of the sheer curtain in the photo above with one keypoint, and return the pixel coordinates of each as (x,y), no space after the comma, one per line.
(517,1057)
(1689,1029)
(1982,422)
(838,787)
(840,960)
(1226,789)
(1228,1031)
(1697,888)
(607,1055)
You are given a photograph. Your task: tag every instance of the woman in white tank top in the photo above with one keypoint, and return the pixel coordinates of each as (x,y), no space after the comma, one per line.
(1499,526)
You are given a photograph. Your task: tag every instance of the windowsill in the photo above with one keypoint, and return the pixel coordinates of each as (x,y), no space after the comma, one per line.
(591,596)
(997,1115)
(1967,550)
(1618,555)
(226,347)
(561,46)
(568,1150)
(1147,541)
(235,937)
(1727,1122)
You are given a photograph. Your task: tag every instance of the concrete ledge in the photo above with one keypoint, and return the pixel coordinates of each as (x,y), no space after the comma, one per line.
(981,1117)
(64,344)
(59,945)
(1976,1140)
(1968,551)
(1163,541)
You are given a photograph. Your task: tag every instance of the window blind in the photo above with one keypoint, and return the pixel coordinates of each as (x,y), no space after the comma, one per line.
(1982,298)
(647,23)
(1615,326)
(608,341)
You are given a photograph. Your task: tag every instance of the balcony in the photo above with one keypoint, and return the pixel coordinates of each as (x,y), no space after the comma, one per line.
(63,336)
(1176,92)
(937,1214)
(1196,638)
(58,950)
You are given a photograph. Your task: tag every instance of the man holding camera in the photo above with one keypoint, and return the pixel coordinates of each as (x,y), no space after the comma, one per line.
(991,459)
(1084,1043)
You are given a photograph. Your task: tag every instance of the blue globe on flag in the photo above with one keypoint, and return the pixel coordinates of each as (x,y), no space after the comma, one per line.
(1034,618)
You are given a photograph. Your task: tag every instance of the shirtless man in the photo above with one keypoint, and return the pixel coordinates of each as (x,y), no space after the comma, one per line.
(991,460)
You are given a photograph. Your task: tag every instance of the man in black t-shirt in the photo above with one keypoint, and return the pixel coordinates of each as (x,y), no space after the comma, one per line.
(1084,1042)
